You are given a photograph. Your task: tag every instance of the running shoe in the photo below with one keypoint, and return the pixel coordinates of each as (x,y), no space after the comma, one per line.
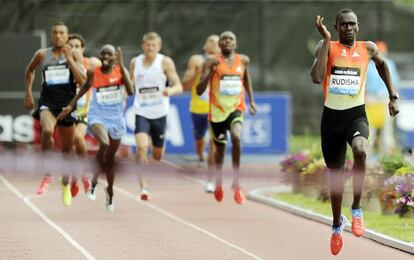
(74,189)
(218,193)
(209,187)
(239,196)
(92,193)
(44,184)
(358,227)
(336,238)
(86,184)
(109,202)
(144,194)
(66,195)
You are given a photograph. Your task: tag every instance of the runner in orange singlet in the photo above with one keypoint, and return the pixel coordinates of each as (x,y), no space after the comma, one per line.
(341,65)
(229,78)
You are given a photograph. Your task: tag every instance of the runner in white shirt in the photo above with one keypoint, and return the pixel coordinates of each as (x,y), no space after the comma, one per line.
(155,79)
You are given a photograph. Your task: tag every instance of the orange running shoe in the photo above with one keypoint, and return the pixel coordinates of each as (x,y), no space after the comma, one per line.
(358,226)
(336,238)
(74,189)
(86,184)
(239,196)
(44,183)
(218,193)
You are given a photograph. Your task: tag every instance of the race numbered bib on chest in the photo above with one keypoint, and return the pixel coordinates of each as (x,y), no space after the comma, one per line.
(55,75)
(150,96)
(109,95)
(230,85)
(345,81)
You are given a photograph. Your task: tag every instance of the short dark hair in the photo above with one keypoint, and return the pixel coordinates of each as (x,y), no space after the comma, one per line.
(60,23)
(343,11)
(77,37)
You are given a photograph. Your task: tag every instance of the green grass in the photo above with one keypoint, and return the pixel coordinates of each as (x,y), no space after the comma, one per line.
(391,225)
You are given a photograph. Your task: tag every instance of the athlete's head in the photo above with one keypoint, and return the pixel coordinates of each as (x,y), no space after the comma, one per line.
(346,23)
(77,42)
(107,56)
(59,34)
(227,42)
(211,45)
(151,44)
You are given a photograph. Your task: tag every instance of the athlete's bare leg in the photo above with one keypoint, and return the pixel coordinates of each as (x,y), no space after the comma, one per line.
(359,150)
(235,134)
(101,135)
(48,124)
(141,156)
(80,144)
(200,149)
(66,138)
(219,159)
(336,186)
(157,153)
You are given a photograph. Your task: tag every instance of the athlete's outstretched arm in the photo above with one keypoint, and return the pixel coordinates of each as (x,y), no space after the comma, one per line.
(248,84)
(125,74)
(169,69)
(29,77)
(384,72)
(131,71)
(206,74)
(75,65)
(68,109)
(193,69)
(321,53)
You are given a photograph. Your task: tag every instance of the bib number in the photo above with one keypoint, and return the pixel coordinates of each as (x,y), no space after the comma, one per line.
(109,95)
(230,85)
(150,96)
(345,81)
(55,75)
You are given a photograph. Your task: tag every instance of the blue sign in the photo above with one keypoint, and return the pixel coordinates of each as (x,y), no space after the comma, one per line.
(404,120)
(265,132)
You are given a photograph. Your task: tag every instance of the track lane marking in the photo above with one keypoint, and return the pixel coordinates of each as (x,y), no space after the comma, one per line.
(34,208)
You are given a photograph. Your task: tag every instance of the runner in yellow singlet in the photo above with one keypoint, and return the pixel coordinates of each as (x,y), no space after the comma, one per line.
(199,105)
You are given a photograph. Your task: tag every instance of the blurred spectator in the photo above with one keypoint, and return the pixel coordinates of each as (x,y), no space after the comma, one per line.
(381,125)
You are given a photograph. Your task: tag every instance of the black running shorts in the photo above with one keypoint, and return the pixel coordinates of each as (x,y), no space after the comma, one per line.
(339,127)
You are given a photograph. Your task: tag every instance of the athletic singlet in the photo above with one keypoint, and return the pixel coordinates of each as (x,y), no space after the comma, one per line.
(59,86)
(199,104)
(107,93)
(344,82)
(83,104)
(226,89)
(149,102)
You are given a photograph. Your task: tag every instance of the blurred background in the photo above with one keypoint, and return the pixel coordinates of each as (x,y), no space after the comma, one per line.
(279,37)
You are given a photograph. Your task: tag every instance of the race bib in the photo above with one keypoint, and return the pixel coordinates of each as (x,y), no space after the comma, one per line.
(55,75)
(150,96)
(109,95)
(345,81)
(230,85)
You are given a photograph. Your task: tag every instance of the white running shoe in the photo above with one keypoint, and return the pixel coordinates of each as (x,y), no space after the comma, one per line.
(92,193)
(144,194)
(209,187)
(109,202)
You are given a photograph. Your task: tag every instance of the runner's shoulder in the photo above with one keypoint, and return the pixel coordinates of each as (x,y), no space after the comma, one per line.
(244,58)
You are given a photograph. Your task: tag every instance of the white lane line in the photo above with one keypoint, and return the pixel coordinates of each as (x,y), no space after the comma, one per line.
(26,200)
(186,223)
